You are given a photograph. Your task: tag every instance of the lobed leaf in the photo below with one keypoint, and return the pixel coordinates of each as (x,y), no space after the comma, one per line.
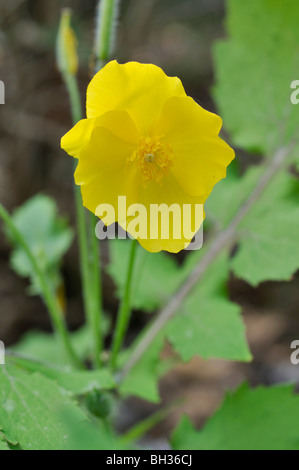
(258,419)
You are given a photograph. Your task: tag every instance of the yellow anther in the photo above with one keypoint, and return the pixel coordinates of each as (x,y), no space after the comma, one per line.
(153,158)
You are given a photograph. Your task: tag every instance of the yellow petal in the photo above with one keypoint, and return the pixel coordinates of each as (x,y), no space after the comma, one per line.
(168,193)
(103,172)
(200,156)
(78,137)
(118,122)
(140,89)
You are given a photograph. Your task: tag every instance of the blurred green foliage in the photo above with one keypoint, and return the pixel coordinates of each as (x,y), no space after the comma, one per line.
(260,419)
(48,238)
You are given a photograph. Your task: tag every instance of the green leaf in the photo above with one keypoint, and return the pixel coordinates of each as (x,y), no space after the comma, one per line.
(4,446)
(259,419)
(156,275)
(255,68)
(81,382)
(268,236)
(229,194)
(11,443)
(209,324)
(47,347)
(88,436)
(3,443)
(76,382)
(268,249)
(30,410)
(143,379)
(47,236)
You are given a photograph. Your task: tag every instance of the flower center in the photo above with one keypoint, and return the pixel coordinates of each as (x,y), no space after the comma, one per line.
(153,158)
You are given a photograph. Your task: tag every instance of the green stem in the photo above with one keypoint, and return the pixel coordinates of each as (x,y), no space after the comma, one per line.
(96,287)
(90,269)
(105,25)
(105,30)
(74,96)
(124,313)
(49,297)
(140,429)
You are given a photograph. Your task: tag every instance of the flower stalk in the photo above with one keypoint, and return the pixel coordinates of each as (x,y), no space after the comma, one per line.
(90,270)
(103,49)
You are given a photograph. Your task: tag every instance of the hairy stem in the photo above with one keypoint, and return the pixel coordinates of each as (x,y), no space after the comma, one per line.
(105,31)
(90,269)
(216,246)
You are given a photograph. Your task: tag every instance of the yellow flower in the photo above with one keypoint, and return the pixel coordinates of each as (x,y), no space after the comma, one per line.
(145,139)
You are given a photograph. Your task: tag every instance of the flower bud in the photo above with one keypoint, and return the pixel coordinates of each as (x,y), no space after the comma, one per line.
(99,404)
(67,56)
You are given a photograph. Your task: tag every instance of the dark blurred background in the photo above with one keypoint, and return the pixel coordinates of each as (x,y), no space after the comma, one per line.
(179,36)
